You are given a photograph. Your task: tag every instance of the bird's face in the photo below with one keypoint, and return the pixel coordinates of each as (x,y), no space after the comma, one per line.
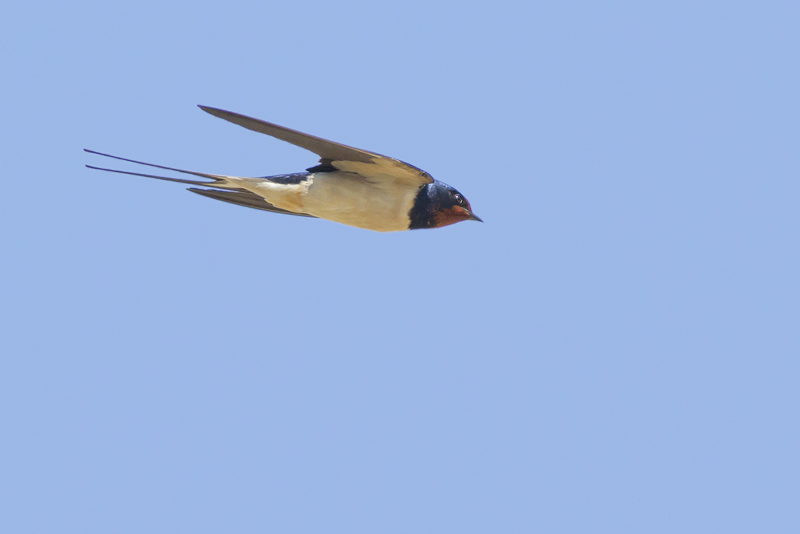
(450,207)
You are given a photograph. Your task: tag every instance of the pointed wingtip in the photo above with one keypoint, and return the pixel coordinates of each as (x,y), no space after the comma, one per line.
(219,113)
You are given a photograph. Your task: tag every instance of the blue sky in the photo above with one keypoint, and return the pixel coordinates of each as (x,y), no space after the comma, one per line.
(614,350)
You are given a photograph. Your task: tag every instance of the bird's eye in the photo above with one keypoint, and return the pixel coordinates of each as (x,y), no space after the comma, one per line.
(460,200)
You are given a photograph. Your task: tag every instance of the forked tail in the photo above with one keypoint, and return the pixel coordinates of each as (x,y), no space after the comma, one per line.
(217,180)
(233,192)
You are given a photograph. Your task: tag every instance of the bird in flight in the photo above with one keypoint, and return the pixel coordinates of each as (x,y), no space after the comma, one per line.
(349,185)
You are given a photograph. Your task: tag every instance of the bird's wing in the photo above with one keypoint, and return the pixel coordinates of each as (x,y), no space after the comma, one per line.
(245,198)
(333,156)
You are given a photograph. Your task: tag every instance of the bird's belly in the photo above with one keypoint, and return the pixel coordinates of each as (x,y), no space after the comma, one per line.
(381,205)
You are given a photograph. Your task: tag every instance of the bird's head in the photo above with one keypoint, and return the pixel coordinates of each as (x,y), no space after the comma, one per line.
(438,205)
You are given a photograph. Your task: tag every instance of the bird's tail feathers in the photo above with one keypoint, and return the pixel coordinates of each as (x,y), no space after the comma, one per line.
(217,180)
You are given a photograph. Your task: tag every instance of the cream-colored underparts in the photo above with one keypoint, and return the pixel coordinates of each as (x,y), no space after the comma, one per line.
(382,204)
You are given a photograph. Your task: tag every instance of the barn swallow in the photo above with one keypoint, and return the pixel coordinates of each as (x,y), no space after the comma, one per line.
(348,185)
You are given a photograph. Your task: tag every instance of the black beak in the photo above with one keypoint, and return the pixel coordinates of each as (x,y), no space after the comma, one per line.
(475,217)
